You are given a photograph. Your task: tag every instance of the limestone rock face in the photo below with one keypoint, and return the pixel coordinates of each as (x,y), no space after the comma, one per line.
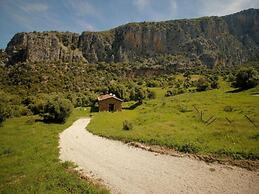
(210,41)
(96,46)
(45,46)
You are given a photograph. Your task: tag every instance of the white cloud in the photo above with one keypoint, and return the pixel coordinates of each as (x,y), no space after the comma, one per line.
(224,7)
(141,4)
(82,7)
(23,20)
(34,7)
(84,25)
(173,7)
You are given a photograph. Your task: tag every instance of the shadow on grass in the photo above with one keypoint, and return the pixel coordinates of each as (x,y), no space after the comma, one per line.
(94,109)
(132,107)
(49,121)
(235,90)
(255,93)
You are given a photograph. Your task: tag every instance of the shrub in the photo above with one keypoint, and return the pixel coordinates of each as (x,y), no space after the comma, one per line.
(183,108)
(188,148)
(246,78)
(3,113)
(228,108)
(127,125)
(57,110)
(174,91)
(153,83)
(230,77)
(202,84)
(214,84)
(151,94)
(37,107)
(140,93)
(119,90)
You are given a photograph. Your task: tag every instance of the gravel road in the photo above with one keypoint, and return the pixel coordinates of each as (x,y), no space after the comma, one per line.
(126,169)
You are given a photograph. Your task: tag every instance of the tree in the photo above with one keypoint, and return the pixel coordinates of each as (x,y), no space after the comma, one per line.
(57,110)
(202,84)
(2,113)
(151,94)
(140,93)
(214,81)
(119,90)
(246,78)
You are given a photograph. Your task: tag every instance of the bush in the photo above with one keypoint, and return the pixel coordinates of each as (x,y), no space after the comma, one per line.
(188,148)
(183,108)
(174,92)
(127,125)
(37,107)
(140,93)
(151,94)
(57,110)
(2,114)
(214,81)
(228,108)
(246,78)
(153,83)
(119,90)
(214,84)
(202,84)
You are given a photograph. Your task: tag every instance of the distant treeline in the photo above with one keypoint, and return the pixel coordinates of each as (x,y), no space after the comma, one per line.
(29,88)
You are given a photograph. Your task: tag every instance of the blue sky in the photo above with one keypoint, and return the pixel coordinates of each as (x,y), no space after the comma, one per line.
(95,15)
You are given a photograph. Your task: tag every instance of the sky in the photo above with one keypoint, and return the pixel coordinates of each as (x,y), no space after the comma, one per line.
(96,15)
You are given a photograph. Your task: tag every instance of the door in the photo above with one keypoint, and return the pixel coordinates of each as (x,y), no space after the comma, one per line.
(111,107)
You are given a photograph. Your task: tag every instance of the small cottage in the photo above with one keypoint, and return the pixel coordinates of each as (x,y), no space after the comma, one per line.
(109,102)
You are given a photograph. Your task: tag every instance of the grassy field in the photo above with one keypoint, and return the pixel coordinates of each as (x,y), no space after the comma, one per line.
(175,123)
(29,159)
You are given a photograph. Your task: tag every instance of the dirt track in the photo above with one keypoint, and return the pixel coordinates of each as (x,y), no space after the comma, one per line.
(126,169)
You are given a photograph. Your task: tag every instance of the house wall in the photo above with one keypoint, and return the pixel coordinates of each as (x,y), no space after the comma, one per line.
(104,104)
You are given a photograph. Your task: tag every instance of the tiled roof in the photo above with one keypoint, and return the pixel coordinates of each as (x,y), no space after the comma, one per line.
(107,96)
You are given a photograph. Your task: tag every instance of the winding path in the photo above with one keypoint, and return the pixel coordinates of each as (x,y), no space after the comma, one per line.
(126,169)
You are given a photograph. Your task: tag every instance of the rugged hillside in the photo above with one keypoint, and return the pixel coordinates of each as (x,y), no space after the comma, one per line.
(231,39)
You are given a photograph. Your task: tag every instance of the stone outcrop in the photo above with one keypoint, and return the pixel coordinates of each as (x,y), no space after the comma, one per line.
(231,39)
(45,46)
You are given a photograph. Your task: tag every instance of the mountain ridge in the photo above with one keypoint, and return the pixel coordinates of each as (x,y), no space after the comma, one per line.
(210,41)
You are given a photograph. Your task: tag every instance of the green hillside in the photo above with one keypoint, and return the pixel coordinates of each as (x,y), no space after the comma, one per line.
(176,122)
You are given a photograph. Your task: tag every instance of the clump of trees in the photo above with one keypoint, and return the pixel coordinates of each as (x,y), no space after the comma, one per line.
(81,84)
(57,110)
(52,107)
(246,78)
(203,84)
(130,91)
(207,83)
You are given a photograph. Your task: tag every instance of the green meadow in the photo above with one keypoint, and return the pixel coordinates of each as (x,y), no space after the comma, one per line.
(217,122)
(29,158)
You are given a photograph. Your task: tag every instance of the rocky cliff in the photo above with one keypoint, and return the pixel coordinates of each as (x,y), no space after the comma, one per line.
(231,39)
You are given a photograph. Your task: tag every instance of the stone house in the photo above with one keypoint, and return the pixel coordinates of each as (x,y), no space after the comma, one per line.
(109,102)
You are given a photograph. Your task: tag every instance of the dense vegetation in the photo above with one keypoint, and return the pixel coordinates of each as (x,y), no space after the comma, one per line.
(246,78)
(159,110)
(27,88)
(57,110)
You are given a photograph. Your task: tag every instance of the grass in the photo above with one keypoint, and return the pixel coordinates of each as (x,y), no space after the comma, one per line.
(174,122)
(29,159)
